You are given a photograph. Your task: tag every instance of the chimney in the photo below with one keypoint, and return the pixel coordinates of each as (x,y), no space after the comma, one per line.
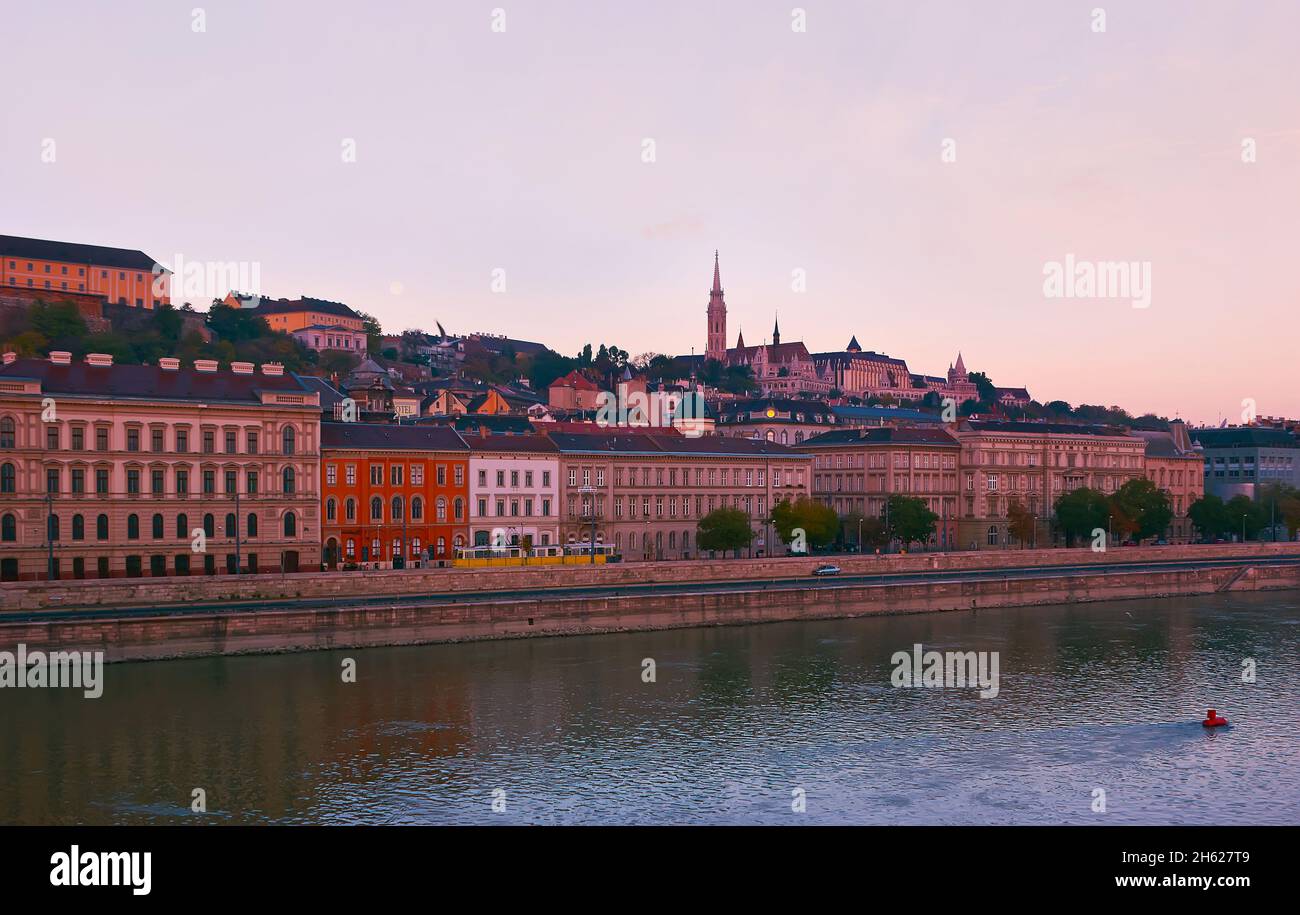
(99,359)
(61,357)
(169,363)
(10,357)
(205,365)
(242,368)
(272,368)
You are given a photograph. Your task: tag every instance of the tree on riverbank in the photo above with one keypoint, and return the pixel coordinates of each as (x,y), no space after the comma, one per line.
(1081,511)
(910,520)
(724,529)
(1139,509)
(1020,523)
(819,522)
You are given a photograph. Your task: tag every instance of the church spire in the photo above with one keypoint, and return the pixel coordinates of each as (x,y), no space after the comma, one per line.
(740,339)
(716,347)
(776,332)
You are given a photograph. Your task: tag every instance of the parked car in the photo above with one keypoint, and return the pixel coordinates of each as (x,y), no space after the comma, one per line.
(827,569)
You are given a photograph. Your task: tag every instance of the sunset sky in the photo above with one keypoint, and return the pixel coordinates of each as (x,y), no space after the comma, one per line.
(818,151)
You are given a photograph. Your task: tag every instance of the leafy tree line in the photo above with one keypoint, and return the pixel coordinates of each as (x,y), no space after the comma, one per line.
(239,335)
(908,520)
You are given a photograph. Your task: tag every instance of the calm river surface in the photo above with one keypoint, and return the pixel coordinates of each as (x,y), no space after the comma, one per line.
(1093,696)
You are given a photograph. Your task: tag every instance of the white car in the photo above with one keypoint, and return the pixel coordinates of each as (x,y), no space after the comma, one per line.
(828,569)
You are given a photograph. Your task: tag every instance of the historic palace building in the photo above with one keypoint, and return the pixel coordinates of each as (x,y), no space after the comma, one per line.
(791,370)
(393,494)
(1034,464)
(130,470)
(514,490)
(646,493)
(117,274)
(857,470)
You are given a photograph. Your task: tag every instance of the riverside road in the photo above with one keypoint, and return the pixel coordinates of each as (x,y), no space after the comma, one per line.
(517,595)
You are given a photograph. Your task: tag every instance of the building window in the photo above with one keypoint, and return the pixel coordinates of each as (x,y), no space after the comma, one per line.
(287,440)
(8,478)
(290,525)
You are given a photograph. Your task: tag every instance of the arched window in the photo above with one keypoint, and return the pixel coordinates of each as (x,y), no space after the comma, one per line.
(158,527)
(52,527)
(993,535)
(232,525)
(209,525)
(101,527)
(7,432)
(331,509)
(397,508)
(182,527)
(132,527)
(290,524)
(287,440)
(686,541)
(252,524)
(440,509)
(417,509)
(287,480)
(9,529)
(376,509)
(78,527)
(350,509)
(8,478)
(459,506)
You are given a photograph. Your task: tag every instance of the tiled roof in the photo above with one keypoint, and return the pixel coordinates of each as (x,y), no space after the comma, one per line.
(848,411)
(390,436)
(538,444)
(576,379)
(70,252)
(633,442)
(882,436)
(149,382)
(305,303)
(979,425)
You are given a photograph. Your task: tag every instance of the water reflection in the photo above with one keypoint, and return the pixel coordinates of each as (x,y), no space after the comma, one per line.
(1092,696)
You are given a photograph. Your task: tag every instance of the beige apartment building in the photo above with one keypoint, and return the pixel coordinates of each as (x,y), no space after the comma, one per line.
(857,470)
(113,471)
(645,493)
(1034,464)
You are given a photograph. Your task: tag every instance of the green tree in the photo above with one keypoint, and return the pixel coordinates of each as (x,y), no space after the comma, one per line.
(724,529)
(1209,516)
(1140,509)
(910,519)
(1245,516)
(374,333)
(60,323)
(1281,502)
(818,521)
(1080,512)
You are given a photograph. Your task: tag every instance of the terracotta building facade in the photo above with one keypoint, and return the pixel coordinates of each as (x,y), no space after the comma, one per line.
(120,275)
(393,496)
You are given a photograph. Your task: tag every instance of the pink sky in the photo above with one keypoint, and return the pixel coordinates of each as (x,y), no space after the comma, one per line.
(817,151)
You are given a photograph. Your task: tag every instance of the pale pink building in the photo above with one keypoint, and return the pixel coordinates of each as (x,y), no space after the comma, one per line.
(129,470)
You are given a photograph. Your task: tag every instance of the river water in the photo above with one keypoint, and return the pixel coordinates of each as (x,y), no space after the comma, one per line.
(740,725)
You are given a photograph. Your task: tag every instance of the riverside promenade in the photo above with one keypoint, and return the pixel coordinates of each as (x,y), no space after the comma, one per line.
(178,617)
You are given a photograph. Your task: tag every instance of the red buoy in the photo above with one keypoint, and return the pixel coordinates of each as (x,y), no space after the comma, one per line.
(1213,720)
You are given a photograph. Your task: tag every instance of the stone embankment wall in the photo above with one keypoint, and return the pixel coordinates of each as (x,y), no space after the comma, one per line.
(398,621)
(136,592)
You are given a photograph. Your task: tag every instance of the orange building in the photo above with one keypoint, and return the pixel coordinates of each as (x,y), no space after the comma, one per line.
(393,494)
(289,315)
(120,275)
